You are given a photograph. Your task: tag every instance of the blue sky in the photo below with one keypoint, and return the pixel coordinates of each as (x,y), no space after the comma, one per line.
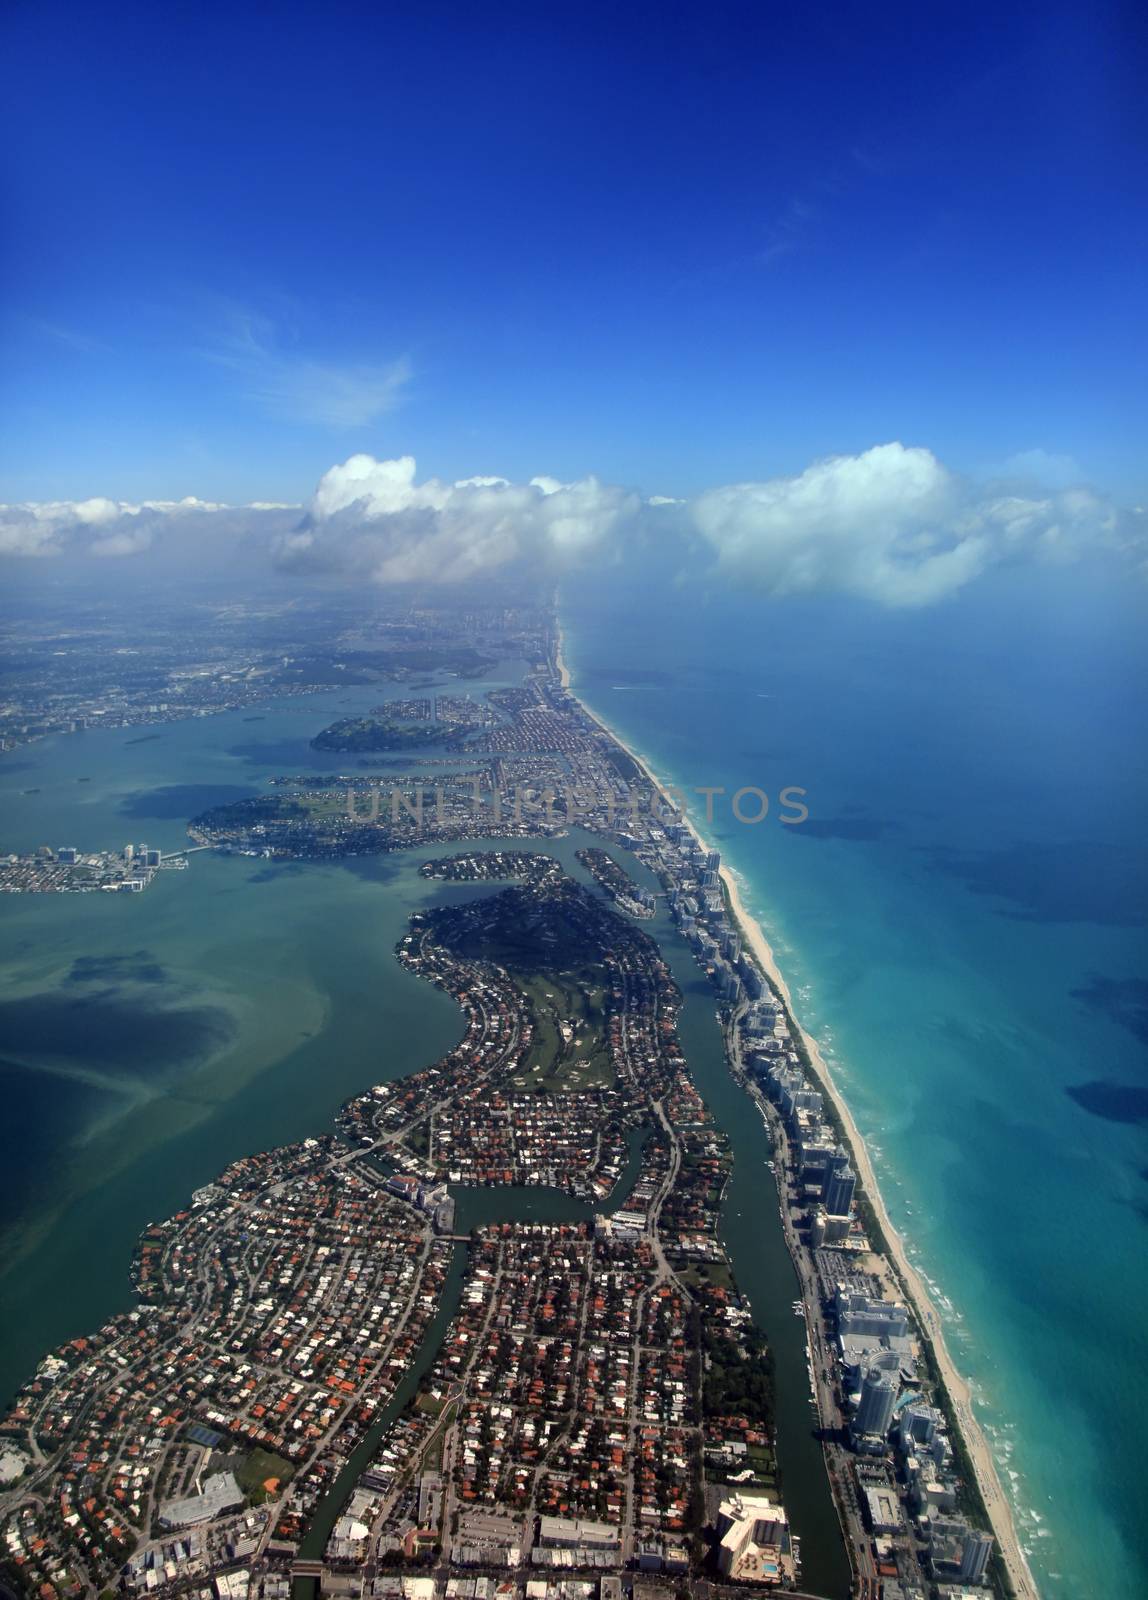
(674,246)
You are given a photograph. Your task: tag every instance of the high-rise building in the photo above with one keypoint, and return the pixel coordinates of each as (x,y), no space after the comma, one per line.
(861,1313)
(875,1409)
(918,1424)
(838,1193)
(826,1230)
(975,1556)
(713,860)
(752,978)
(838,1160)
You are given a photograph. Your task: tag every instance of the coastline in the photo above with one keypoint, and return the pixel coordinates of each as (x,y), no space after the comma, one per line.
(997,1506)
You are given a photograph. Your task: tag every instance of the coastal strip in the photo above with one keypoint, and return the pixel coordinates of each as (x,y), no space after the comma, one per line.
(996,1503)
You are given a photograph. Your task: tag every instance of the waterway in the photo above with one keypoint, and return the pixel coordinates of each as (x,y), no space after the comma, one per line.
(755,1243)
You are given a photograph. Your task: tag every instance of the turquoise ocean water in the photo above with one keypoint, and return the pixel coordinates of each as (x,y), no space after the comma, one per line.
(962,922)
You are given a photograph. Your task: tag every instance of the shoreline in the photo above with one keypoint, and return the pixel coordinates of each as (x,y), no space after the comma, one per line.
(997,1506)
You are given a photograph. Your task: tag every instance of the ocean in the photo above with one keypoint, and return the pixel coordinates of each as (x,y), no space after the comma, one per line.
(961,919)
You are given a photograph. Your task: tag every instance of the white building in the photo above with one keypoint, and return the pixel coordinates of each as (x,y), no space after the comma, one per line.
(875,1410)
(220,1493)
(754,1546)
(571,1532)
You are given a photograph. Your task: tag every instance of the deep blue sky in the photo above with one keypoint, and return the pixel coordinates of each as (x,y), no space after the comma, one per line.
(671,245)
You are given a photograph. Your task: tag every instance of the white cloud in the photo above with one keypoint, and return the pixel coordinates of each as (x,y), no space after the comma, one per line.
(1040,467)
(128,542)
(893,525)
(374,518)
(377,489)
(109,528)
(48,528)
(1060,526)
(296,388)
(336,397)
(22,534)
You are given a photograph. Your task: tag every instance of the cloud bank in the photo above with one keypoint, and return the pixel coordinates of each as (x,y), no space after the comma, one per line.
(892,525)
(115,528)
(372,518)
(895,526)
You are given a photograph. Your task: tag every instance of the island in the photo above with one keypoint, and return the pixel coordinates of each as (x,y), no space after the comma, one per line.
(374,733)
(64,869)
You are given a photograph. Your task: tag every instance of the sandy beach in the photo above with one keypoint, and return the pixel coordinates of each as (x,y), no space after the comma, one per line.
(996,1502)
